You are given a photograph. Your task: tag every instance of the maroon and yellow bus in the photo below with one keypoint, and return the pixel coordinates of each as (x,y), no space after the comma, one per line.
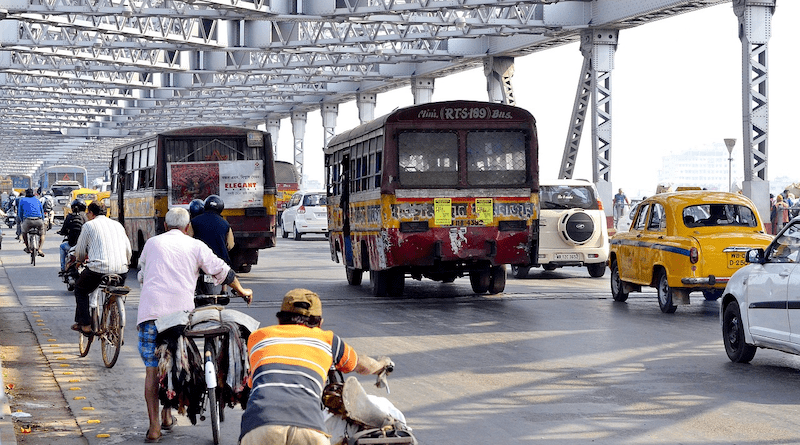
(440,190)
(174,167)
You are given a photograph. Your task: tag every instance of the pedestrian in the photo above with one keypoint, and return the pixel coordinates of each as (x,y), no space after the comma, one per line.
(103,248)
(289,364)
(779,214)
(168,272)
(620,203)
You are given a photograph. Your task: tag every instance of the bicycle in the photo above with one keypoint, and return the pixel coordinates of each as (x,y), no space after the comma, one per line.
(108,320)
(33,243)
(209,373)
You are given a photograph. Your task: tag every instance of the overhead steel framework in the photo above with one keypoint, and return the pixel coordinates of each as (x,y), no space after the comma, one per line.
(124,68)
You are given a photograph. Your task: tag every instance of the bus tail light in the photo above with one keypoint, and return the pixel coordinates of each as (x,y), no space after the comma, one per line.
(693,255)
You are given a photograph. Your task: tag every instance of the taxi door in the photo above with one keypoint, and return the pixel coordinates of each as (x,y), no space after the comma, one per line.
(628,247)
(648,253)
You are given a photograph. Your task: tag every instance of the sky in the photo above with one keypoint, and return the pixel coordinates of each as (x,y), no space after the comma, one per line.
(676,86)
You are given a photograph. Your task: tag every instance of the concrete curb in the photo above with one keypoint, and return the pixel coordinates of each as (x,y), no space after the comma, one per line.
(7,434)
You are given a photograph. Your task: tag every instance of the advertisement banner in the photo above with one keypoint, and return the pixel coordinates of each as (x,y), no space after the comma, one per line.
(240,184)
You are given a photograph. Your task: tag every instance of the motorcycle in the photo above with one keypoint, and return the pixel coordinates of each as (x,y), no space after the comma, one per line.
(72,270)
(357,418)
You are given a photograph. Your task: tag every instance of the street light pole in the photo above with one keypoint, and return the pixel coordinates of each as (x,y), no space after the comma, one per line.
(729,143)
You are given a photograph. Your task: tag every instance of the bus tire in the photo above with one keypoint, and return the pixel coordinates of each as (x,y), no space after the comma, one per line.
(497,283)
(397,283)
(480,280)
(354,275)
(379,281)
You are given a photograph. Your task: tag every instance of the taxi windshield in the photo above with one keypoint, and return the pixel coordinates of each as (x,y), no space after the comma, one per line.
(722,214)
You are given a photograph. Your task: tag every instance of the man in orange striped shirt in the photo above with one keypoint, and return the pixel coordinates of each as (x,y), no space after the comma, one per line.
(289,364)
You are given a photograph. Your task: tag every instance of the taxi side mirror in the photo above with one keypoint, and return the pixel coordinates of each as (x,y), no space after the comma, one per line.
(755,256)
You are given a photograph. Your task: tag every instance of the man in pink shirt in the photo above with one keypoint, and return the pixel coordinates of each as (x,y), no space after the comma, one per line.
(168,271)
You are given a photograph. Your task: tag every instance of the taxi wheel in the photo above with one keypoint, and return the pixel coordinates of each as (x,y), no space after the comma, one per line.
(712,295)
(520,271)
(617,286)
(733,335)
(665,294)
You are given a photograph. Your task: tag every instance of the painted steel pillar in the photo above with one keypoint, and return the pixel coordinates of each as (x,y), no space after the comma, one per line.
(498,72)
(330,112)
(273,128)
(422,89)
(299,131)
(755,29)
(603,44)
(366,106)
(579,109)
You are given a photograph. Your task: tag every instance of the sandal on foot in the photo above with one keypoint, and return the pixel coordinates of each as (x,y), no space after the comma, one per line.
(169,427)
(156,439)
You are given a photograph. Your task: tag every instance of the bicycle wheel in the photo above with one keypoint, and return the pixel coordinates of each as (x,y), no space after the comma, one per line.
(33,245)
(211,385)
(85,342)
(111,331)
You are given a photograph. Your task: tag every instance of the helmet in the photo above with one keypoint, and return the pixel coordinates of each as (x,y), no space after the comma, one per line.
(214,204)
(78,206)
(196,207)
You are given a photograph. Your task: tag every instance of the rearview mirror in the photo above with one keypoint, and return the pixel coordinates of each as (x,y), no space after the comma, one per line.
(755,256)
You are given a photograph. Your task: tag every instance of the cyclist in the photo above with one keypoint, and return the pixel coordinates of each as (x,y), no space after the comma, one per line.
(104,248)
(289,363)
(31,214)
(71,228)
(168,271)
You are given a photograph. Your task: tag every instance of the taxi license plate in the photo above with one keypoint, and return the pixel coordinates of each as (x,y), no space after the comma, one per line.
(736,260)
(566,256)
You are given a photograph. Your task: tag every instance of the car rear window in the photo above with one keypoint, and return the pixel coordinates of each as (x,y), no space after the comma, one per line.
(315,200)
(713,215)
(567,197)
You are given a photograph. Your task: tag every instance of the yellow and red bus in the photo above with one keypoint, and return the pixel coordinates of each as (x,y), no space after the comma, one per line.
(287,182)
(439,190)
(174,167)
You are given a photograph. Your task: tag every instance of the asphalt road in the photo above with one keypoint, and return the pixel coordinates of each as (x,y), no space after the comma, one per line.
(553,360)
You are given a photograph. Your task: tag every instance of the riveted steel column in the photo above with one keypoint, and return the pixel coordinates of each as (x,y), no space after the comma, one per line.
(755,29)
(498,72)
(603,43)
(273,128)
(422,89)
(579,109)
(330,112)
(299,131)
(366,106)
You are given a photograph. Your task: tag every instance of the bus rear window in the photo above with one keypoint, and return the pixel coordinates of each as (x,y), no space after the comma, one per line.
(428,158)
(496,158)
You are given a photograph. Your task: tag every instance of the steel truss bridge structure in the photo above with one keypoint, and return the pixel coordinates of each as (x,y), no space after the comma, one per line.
(109,69)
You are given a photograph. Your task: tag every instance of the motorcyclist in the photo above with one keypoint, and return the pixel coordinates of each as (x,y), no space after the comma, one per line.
(289,363)
(211,228)
(31,214)
(196,207)
(71,228)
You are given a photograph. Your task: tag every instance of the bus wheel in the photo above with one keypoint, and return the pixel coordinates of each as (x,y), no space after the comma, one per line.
(497,283)
(379,281)
(480,280)
(353,275)
(397,283)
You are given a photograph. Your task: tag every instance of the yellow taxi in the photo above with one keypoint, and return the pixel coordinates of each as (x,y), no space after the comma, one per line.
(87,195)
(682,242)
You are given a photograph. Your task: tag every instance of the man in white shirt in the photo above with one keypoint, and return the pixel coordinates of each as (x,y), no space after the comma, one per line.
(103,248)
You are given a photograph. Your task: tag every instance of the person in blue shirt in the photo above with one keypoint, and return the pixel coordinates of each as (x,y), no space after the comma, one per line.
(31,214)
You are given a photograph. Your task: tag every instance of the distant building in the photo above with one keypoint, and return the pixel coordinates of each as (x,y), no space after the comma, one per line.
(705,167)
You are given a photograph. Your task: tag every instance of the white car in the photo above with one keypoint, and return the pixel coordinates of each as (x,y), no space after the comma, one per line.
(572,228)
(306,212)
(760,302)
